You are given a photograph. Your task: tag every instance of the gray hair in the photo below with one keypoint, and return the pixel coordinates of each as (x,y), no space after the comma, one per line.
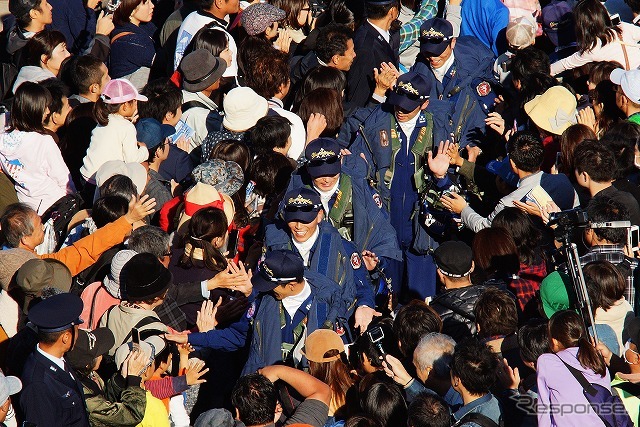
(16,223)
(435,351)
(149,239)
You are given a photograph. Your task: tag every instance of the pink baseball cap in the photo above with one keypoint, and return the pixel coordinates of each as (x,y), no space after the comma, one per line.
(117,91)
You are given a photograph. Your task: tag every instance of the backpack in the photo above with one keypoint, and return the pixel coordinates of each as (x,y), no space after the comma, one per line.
(609,407)
(60,214)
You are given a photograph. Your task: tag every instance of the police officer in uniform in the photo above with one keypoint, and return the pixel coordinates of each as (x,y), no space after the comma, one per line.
(375,41)
(303,230)
(460,71)
(52,393)
(351,205)
(397,139)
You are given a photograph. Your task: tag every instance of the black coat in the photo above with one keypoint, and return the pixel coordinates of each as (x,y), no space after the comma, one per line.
(50,397)
(455,307)
(371,50)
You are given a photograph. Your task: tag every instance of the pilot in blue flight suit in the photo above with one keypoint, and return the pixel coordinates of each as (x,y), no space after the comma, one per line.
(460,71)
(323,250)
(396,140)
(52,393)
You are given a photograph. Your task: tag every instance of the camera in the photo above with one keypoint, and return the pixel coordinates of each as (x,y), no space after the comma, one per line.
(376,335)
(112,5)
(572,218)
(317,7)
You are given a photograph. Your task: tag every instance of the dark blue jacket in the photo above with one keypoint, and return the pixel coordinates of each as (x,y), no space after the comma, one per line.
(266,340)
(231,338)
(132,51)
(76,21)
(333,257)
(461,100)
(50,397)
(379,155)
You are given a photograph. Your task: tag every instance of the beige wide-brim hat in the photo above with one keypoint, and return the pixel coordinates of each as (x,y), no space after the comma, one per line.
(201,196)
(553,111)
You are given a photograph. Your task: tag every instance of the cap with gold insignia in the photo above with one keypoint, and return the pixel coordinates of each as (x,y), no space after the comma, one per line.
(411,91)
(281,266)
(435,35)
(301,205)
(323,157)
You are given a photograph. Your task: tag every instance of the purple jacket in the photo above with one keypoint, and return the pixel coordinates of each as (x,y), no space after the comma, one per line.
(557,387)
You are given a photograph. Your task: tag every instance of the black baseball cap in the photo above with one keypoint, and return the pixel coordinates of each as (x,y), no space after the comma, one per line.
(301,205)
(89,345)
(281,266)
(435,35)
(454,259)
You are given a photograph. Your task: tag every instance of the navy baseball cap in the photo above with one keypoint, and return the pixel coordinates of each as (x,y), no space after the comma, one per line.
(558,23)
(152,132)
(57,313)
(411,91)
(323,157)
(301,205)
(281,266)
(435,35)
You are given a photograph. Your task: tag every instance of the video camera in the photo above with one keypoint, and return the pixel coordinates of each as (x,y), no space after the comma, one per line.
(572,218)
(317,7)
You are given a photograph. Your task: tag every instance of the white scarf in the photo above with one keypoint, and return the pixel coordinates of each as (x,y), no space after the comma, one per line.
(325,196)
(304,248)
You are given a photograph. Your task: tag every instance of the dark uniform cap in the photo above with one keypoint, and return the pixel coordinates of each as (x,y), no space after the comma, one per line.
(57,313)
(281,266)
(411,91)
(454,258)
(435,35)
(301,205)
(323,157)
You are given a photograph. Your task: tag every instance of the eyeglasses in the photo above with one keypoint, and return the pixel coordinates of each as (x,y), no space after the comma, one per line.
(329,161)
(306,208)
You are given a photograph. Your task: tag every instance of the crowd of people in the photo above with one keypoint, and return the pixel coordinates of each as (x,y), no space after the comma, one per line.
(358,213)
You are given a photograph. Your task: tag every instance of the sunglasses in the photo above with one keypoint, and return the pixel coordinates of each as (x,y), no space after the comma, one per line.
(402,110)
(329,161)
(306,208)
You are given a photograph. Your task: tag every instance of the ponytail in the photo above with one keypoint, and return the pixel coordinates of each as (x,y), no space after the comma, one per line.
(101,111)
(567,327)
(589,357)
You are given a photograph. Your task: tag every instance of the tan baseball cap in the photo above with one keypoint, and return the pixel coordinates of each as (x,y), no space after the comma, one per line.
(321,341)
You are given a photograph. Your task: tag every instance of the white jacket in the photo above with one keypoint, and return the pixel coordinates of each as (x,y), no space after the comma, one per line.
(34,163)
(115,141)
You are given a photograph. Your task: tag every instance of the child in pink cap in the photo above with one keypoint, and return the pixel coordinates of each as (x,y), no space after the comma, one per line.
(115,136)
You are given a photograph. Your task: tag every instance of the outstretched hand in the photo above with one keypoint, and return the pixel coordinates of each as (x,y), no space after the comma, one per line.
(440,163)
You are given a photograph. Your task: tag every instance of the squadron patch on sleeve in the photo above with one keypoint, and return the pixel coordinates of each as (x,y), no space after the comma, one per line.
(355,261)
(377,200)
(483,89)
